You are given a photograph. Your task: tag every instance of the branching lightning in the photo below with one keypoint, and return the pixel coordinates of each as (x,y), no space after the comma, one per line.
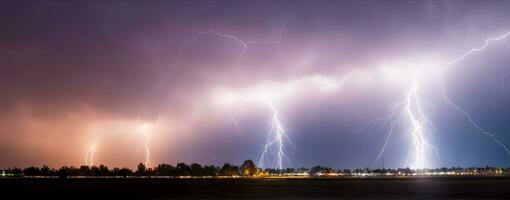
(142,129)
(419,122)
(244,44)
(457,107)
(409,111)
(408,114)
(277,133)
(275,138)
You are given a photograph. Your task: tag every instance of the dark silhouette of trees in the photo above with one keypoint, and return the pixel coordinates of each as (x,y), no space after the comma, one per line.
(46,171)
(103,171)
(125,172)
(141,170)
(210,170)
(32,171)
(63,172)
(85,170)
(196,170)
(16,171)
(248,168)
(229,170)
(314,171)
(165,170)
(182,169)
(94,171)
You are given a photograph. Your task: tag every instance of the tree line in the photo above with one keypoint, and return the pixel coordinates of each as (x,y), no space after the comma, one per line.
(247,168)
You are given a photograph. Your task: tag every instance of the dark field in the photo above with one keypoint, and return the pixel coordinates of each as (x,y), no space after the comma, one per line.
(342,188)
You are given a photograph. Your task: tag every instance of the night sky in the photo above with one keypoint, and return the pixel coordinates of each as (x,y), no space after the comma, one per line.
(83,73)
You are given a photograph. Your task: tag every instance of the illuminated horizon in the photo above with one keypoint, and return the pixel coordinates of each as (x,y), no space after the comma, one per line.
(329,83)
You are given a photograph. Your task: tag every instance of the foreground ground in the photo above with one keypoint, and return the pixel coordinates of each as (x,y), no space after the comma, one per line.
(342,188)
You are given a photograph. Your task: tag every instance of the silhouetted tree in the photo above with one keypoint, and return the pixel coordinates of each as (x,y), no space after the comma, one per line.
(15,171)
(141,170)
(103,171)
(46,171)
(248,168)
(63,172)
(165,170)
(314,171)
(302,169)
(290,170)
(32,171)
(84,170)
(73,171)
(94,171)
(210,170)
(229,170)
(182,169)
(196,170)
(125,172)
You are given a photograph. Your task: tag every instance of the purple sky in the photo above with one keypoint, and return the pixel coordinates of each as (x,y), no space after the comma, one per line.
(75,74)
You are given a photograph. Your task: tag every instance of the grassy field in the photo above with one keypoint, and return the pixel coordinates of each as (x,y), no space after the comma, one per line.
(328,188)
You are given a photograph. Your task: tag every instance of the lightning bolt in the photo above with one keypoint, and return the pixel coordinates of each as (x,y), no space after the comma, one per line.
(277,133)
(409,111)
(276,137)
(142,129)
(382,122)
(457,107)
(419,122)
(89,155)
(244,44)
(145,132)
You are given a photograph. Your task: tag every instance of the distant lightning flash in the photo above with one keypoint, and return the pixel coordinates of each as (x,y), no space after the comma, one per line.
(277,133)
(89,156)
(244,44)
(457,107)
(276,137)
(145,132)
(138,129)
